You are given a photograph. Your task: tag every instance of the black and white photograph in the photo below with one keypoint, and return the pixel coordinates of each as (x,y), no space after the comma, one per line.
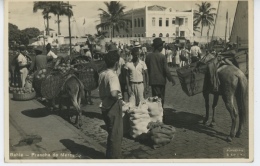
(161,81)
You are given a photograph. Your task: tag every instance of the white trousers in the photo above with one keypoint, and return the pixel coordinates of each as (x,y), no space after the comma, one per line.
(24,73)
(137,92)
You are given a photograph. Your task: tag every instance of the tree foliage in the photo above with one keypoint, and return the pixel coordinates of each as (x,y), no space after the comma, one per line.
(113,17)
(22,36)
(204,16)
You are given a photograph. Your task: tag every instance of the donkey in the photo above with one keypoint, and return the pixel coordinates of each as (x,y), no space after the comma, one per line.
(233,83)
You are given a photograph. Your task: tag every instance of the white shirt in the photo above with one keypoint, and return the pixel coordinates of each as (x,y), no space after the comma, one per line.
(50,53)
(163,51)
(195,51)
(108,82)
(136,72)
(22,59)
(120,64)
(88,54)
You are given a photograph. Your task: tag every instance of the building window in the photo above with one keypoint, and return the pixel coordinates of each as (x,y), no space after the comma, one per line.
(167,22)
(182,33)
(142,35)
(123,35)
(160,22)
(153,21)
(138,35)
(135,22)
(180,21)
(186,21)
(160,35)
(173,21)
(142,22)
(135,35)
(154,35)
(138,22)
(167,35)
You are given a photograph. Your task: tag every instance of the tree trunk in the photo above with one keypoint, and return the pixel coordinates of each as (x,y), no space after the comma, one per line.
(201,30)
(111,35)
(58,17)
(113,31)
(48,33)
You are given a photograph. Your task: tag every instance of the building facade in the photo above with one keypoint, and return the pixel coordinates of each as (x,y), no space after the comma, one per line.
(155,21)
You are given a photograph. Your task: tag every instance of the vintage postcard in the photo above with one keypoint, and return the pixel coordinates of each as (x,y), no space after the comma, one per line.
(129,81)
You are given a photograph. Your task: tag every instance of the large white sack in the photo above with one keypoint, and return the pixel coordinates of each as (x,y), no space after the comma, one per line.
(155,109)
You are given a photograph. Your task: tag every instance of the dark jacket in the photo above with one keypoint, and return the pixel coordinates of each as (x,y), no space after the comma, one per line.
(157,69)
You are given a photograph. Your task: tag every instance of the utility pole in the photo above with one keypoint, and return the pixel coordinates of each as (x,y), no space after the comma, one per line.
(69,25)
(226,27)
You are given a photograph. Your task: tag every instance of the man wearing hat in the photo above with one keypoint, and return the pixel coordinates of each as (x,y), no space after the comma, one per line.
(158,70)
(40,60)
(87,52)
(23,62)
(195,52)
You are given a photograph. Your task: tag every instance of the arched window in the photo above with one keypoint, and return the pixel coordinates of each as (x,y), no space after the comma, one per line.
(142,22)
(135,22)
(154,35)
(167,35)
(138,22)
(160,22)
(153,21)
(160,35)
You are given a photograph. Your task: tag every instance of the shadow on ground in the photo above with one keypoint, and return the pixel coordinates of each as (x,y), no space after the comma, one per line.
(93,115)
(190,121)
(84,151)
(37,113)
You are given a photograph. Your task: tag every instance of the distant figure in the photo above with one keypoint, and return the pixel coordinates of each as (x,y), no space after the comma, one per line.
(195,52)
(49,52)
(40,61)
(177,55)
(169,56)
(24,63)
(184,56)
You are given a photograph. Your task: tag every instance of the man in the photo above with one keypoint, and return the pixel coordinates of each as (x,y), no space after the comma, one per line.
(158,70)
(76,49)
(23,63)
(134,78)
(120,70)
(40,60)
(195,52)
(144,52)
(87,52)
(50,53)
(111,105)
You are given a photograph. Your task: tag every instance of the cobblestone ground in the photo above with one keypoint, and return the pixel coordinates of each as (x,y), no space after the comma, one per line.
(192,139)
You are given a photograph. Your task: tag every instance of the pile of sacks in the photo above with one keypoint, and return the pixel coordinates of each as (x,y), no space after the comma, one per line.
(137,118)
(160,134)
(155,109)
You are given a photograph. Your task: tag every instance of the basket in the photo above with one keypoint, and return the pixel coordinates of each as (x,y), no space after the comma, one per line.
(192,81)
(24,97)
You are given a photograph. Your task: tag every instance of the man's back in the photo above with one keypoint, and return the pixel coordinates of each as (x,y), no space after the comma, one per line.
(195,51)
(40,61)
(157,69)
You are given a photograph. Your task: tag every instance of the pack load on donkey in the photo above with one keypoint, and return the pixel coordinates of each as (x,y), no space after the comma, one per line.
(86,71)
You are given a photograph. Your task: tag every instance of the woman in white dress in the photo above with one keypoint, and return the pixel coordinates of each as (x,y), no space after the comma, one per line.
(169,56)
(177,56)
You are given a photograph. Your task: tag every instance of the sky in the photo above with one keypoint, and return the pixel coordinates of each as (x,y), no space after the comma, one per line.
(21,14)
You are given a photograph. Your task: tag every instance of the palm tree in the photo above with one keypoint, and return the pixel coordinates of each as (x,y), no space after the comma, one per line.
(195,29)
(204,16)
(60,8)
(113,17)
(45,7)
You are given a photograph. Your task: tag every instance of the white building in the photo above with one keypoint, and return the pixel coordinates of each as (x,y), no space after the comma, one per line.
(156,21)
